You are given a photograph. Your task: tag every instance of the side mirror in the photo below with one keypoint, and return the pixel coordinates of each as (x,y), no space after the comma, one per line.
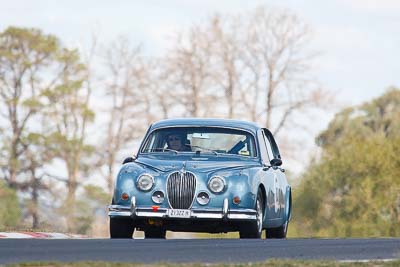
(276,162)
(129,159)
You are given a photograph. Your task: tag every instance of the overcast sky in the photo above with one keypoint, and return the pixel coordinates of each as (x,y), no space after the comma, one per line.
(359,39)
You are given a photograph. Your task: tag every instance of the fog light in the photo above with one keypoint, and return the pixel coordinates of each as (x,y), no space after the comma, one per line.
(158,197)
(203,198)
(236,200)
(124,196)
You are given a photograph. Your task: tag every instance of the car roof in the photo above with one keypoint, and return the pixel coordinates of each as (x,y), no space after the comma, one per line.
(193,122)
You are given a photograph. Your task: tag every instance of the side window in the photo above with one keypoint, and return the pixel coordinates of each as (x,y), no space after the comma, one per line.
(268,145)
(263,147)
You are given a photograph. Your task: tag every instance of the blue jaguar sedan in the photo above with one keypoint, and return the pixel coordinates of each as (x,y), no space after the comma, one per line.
(202,175)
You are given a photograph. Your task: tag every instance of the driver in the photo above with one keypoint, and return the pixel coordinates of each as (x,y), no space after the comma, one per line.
(177,142)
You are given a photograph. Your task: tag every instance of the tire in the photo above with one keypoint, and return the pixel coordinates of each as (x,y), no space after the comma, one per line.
(254,228)
(279,232)
(155,233)
(121,228)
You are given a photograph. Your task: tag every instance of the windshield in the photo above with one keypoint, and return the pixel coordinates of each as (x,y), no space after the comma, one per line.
(201,140)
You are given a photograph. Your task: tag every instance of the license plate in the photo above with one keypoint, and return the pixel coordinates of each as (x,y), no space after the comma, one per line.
(176,213)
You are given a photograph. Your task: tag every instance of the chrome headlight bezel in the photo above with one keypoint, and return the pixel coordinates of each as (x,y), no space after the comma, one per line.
(140,179)
(221,184)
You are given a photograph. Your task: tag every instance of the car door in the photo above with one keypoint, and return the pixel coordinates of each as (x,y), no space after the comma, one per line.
(271,179)
(278,173)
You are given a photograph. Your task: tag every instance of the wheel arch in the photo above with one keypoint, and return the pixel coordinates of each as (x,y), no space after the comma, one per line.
(264,195)
(288,204)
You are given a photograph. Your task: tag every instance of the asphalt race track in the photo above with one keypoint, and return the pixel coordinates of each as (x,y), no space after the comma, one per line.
(197,250)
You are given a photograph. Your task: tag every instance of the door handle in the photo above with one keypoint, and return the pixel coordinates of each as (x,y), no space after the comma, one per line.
(266,167)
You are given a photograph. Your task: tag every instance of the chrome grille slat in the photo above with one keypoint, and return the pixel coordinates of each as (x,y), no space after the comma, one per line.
(181,188)
(184,193)
(188,193)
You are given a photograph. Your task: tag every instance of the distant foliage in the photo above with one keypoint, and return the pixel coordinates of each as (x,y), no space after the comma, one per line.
(91,210)
(354,188)
(9,208)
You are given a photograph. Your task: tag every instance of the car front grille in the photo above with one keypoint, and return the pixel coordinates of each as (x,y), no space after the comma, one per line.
(181,187)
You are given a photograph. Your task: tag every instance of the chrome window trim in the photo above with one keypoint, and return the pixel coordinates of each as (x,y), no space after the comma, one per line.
(140,151)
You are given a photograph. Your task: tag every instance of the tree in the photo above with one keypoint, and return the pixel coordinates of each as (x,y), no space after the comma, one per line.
(353,189)
(25,56)
(258,64)
(189,68)
(29,66)
(127,92)
(279,64)
(227,58)
(68,114)
(41,81)
(35,158)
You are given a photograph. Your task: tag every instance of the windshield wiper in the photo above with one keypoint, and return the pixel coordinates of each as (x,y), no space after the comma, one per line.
(162,149)
(207,149)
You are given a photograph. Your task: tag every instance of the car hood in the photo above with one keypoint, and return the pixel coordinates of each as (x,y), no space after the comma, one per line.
(197,165)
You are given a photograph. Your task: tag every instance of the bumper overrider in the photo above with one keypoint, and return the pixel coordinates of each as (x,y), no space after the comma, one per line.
(224,213)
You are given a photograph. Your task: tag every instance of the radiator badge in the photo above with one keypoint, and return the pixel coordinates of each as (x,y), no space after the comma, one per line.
(183,170)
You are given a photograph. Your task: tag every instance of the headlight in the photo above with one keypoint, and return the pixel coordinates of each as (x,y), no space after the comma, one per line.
(145,182)
(216,184)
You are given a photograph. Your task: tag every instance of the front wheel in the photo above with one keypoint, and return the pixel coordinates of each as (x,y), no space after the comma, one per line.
(254,228)
(121,228)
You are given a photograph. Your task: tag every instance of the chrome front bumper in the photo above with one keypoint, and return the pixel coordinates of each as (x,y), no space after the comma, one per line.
(147,212)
